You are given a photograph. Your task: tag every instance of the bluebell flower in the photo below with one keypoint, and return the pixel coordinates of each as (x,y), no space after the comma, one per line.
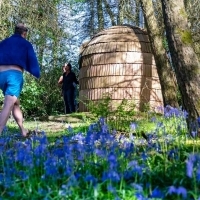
(111,175)
(50,166)
(182,191)
(198,174)
(77,175)
(179,191)
(157,193)
(5,129)
(40,150)
(185,114)
(93,127)
(70,129)
(133,164)
(153,119)
(90,178)
(190,164)
(23,175)
(133,126)
(159,124)
(194,133)
(112,159)
(144,155)
(100,152)
(173,154)
(79,137)
(137,187)
(59,152)
(110,188)
(2,145)
(64,191)
(129,148)
(140,196)
(72,181)
(135,167)
(171,190)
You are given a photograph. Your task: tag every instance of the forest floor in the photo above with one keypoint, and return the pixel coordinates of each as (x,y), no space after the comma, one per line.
(55,124)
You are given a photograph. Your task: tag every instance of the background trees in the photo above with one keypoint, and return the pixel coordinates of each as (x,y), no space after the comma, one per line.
(58,28)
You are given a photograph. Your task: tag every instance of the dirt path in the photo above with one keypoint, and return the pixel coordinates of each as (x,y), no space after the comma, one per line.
(52,124)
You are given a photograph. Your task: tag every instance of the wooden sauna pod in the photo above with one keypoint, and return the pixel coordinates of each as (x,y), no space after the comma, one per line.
(118,61)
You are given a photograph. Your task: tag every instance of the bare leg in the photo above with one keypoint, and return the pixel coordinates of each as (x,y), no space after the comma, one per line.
(9,102)
(17,114)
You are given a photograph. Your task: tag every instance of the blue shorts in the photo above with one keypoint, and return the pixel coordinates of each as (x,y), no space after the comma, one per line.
(11,82)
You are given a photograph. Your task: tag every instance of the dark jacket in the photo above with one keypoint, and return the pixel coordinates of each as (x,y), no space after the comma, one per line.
(16,50)
(69,80)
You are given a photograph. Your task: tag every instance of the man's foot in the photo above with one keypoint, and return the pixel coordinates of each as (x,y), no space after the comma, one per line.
(20,136)
(30,133)
(25,133)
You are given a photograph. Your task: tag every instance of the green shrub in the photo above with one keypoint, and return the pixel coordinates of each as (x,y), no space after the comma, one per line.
(32,97)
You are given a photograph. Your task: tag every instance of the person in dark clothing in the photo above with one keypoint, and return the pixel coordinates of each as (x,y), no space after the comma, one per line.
(68,80)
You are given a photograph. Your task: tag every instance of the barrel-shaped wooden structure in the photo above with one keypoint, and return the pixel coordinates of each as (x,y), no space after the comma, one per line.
(119,61)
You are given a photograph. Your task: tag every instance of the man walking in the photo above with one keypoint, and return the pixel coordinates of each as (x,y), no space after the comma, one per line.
(16,55)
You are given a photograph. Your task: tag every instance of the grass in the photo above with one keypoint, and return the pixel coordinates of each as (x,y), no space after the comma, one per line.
(151,157)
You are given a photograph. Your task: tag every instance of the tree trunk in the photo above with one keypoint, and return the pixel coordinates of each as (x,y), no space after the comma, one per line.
(165,72)
(100,15)
(110,13)
(137,13)
(184,59)
(91,19)
(120,17)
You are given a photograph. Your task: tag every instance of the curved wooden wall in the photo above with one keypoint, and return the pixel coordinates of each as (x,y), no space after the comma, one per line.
(118,60)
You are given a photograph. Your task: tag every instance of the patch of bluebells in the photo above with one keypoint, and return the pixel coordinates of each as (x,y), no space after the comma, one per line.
(90,158)
(170,111)
(193,166)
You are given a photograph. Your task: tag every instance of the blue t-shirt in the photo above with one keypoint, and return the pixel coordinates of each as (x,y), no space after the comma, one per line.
(16,50)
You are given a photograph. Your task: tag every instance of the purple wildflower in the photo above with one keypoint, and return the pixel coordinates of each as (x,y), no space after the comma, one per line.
(189,165)
(153,119)
(90,178)
(179,191)
(110,188)
(112,159)
(171,190)
(137,187)
(157,193)
(133,126)
(140,196)
(111,175)
(182,191)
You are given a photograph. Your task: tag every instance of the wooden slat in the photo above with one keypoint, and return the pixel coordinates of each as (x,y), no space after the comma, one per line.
(119,81)
(118,70)
(120,93)
(118,57)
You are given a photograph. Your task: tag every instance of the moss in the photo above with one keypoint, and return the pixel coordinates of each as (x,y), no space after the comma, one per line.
(183,13)
(198,105)
(186,36)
